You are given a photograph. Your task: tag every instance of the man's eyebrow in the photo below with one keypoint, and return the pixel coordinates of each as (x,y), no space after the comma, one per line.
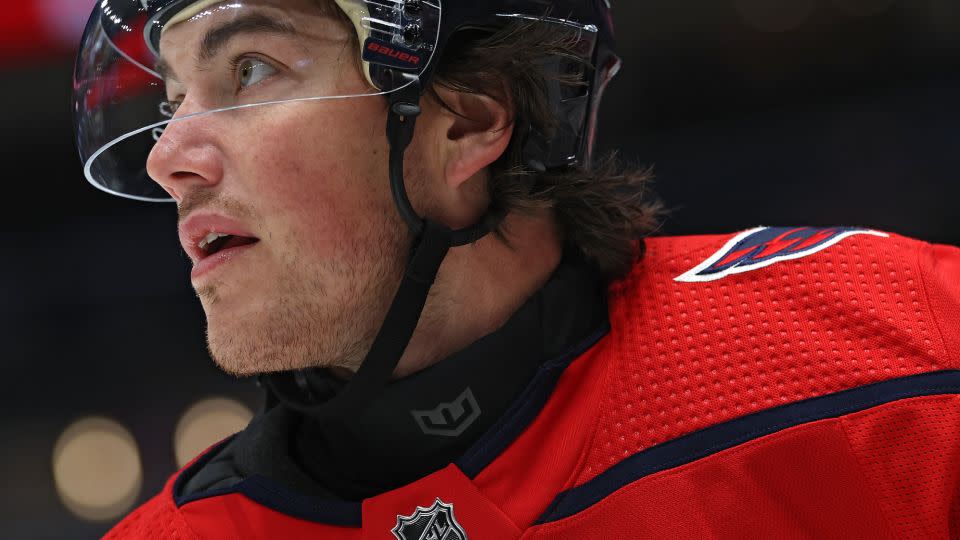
(219,36)
(164,70)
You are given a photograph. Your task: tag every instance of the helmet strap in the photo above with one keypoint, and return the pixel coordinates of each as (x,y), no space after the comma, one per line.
(432,242)
(404,110)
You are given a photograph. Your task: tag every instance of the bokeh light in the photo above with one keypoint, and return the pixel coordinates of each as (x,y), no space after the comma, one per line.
(206,423)
(65,19)
(96,469)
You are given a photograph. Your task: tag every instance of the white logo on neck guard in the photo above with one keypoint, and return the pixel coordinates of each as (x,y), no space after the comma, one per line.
(449,419)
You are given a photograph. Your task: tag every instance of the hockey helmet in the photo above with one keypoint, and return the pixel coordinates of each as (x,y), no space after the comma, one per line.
(125,93)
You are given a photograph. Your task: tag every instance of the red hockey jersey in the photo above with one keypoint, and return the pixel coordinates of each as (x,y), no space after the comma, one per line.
(779,383)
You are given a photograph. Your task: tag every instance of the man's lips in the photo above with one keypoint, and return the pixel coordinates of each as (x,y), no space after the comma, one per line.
(210,262)
(197,226)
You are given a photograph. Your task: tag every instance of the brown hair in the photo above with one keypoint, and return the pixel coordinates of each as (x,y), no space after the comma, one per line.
(605,209)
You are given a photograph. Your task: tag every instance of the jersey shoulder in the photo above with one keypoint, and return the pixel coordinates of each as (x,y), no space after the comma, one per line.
(709,329)
(816,366)
(850,272)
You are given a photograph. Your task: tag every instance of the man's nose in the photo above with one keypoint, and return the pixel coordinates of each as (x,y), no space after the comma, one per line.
(187,155)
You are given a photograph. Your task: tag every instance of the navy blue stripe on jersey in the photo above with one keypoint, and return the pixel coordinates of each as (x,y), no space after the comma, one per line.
(328,511)
(524,409)
(276,497)
(272,495)
(709,441)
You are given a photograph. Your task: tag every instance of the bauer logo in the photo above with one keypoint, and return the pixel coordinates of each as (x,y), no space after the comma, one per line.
(434,523)
(449,419)
(388,54)
(761,247)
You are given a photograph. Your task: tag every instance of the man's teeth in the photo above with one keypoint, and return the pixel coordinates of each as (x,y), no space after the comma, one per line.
(209,239)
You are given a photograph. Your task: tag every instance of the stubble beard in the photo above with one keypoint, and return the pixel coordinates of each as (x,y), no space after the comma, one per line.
(308,321)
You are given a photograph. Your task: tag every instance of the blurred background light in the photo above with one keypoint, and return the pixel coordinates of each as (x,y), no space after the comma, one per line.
(97,470)
(774,15)
(206,423)
(64,19)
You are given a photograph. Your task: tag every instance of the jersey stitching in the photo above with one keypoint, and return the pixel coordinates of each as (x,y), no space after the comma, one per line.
(828,414)
(577,477)
(598,416)
(883,510)
(751,436)
(862,469)
(183,519)
(584,513)
(926,297)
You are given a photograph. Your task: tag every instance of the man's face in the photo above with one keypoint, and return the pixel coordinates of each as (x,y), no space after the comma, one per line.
(308,180)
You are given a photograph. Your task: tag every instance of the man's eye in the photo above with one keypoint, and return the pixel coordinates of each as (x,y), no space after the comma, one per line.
(168,107)
(250,71)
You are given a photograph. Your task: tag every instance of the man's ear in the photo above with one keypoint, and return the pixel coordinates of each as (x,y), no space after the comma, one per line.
(478,129)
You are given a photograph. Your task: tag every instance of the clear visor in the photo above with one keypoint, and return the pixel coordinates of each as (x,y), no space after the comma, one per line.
(145,64)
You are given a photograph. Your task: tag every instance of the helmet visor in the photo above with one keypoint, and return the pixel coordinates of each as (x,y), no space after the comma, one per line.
(145,64)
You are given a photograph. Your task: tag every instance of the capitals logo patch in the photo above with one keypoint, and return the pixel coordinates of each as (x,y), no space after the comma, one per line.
(763,246)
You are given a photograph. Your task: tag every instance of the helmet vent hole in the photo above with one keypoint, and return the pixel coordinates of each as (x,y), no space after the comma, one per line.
(412,34)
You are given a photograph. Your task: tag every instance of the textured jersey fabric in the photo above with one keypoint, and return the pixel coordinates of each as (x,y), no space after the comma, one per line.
(812,397)
(697,354)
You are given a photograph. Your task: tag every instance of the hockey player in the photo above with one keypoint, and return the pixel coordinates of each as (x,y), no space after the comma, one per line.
(453,324)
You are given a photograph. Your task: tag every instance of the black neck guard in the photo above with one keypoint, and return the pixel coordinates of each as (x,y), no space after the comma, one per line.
(420,423)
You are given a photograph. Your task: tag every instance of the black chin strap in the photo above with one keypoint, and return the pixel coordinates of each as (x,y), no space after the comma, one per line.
(388,346)
(404,109)
(432,241)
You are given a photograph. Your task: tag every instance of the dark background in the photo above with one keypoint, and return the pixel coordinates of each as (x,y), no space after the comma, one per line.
(772,112)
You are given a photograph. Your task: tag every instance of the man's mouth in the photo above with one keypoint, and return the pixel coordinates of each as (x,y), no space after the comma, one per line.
(212,239)
(216,249)
(215,242)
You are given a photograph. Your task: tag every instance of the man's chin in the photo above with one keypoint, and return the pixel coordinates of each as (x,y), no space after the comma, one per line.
(249,352)
(256,331)
(239,355)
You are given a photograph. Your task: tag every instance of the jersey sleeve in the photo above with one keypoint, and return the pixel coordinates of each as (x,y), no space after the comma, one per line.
(940,271)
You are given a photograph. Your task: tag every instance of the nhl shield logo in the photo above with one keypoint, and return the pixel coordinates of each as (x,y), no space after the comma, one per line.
(434,523)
